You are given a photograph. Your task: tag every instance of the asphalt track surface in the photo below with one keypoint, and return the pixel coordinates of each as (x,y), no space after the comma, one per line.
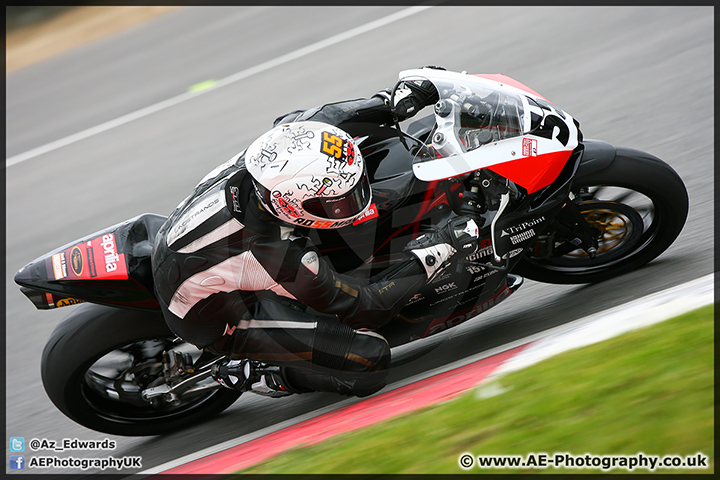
(633,76)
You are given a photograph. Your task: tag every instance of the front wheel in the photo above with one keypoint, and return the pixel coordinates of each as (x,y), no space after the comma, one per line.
(637,205)
(98,361)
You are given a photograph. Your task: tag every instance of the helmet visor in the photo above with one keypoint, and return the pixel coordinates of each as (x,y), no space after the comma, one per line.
(264,195)
(344,206)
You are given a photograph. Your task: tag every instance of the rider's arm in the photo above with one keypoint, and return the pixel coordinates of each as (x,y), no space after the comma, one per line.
(296,265)
(375,109)
(370,110)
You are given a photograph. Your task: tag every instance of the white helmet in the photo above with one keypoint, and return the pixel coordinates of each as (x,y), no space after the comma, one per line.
(309,174)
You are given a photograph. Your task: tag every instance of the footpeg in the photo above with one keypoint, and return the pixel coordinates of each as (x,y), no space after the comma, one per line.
(250,376)
(232,374)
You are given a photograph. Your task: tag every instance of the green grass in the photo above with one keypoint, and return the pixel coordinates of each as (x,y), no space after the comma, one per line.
(649,391)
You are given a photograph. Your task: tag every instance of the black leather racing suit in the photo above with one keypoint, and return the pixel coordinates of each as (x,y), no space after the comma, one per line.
(235,280)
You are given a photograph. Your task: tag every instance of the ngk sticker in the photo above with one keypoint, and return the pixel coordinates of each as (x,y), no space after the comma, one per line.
(446,288)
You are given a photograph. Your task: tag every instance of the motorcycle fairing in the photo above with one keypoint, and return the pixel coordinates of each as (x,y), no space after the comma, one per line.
(484,123)
(533,174)
(97,258)
(116,273)
(447,303)
(504,79)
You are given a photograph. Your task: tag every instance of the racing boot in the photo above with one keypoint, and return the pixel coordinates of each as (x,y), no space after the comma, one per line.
(250,376)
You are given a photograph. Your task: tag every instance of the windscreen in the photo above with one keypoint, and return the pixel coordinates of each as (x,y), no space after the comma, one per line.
(470,114)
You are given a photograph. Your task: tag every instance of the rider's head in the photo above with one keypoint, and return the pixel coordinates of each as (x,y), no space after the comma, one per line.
(309,174)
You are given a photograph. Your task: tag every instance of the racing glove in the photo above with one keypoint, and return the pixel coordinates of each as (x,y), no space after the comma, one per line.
(412,97)
(435,249)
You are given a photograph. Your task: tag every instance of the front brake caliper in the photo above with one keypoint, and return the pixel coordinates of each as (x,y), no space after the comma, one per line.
(572,225)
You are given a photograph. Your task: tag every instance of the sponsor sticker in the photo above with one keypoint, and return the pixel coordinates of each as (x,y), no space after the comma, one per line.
(473,269)
(446,288)
(522,236)
(310,260)
(484,249)
(415,298)
(59,266)
(64,302)
(521,226)
(440,324)
(235,196)
(98,258)
(203,208)
(90,260)
(76,261)
(371,213)
(529,147)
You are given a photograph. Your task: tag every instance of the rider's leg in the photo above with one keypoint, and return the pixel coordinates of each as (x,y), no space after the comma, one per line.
(315,353)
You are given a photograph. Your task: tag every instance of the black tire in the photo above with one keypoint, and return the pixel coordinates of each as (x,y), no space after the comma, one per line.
(89,334)
(638,175)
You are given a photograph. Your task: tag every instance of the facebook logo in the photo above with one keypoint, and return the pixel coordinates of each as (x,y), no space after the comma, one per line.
(17,444)
(17,462)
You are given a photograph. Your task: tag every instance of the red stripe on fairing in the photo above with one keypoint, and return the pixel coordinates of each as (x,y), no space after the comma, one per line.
(533,173)
(499,77)
(429,391)
(425,207)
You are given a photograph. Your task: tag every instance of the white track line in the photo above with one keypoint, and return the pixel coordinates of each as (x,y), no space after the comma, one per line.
(640,313)
(594,328)
(236,77)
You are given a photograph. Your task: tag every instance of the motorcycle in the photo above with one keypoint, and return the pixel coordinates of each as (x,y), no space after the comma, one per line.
(551,206)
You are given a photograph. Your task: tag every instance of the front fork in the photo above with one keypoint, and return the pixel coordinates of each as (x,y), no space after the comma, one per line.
(571,226)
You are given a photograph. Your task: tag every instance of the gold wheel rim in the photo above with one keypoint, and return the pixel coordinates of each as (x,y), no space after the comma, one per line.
(613,228)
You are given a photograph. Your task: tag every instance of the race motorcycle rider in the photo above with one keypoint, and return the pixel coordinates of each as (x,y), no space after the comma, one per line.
(235,274)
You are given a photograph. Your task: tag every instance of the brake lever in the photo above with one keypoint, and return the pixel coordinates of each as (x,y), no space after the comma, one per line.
(504,200)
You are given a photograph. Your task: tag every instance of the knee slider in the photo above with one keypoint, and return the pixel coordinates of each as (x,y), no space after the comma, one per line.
(340,347)
(369,352)
(361,384)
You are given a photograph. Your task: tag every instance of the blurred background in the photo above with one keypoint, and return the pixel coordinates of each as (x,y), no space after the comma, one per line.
(639,77)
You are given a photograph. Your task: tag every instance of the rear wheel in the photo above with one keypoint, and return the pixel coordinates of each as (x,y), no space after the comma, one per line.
(637,205)
(99,360)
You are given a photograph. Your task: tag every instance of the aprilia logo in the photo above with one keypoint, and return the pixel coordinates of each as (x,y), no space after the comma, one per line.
(111,256)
